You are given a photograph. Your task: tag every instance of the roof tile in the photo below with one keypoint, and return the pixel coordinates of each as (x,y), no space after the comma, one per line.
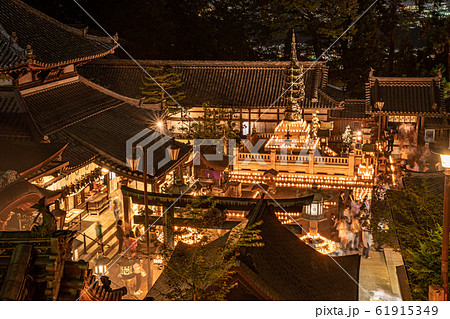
(51,41)
(222,83)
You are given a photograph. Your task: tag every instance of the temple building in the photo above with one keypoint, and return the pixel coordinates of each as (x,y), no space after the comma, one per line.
(255,92)
(251,90)
(75,132)
(65,134)
(413,107)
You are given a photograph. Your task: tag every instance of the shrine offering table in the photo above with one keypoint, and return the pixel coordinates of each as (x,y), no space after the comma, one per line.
(97,203)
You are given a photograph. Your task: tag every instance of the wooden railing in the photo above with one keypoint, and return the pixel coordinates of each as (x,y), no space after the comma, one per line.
(304,163)
(299,159)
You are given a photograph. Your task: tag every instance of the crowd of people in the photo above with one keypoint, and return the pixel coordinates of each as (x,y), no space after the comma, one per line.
(350,228)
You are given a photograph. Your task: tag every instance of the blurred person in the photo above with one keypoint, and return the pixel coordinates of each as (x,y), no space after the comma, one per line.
(355,228)
(116,208)
(367,242)
(341,205)
(343,229)
(120,234)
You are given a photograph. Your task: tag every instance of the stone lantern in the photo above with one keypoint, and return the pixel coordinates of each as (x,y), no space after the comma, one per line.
(126,272)
(314,213)
(101,265)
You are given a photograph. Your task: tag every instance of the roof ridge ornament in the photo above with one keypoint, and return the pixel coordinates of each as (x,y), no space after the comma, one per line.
(294,59)
(28,53)
(85,31)
(13,38)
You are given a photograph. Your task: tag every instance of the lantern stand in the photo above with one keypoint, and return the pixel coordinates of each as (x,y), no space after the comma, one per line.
(127,273)
(101,265)
(59,214)
(314,212)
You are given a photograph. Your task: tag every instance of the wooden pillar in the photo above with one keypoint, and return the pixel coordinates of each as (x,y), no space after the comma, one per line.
(421,131)
(66,203)
(127,209)
(75,201)
(379,127)
(273,156)
(240,120)
(83,195)
(259,117)
(249,121)
(107,183)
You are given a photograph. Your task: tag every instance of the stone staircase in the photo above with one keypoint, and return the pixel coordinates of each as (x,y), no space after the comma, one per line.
(93,247)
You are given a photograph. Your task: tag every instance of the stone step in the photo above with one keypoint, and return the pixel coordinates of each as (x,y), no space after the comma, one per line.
(92,246)
(108,241)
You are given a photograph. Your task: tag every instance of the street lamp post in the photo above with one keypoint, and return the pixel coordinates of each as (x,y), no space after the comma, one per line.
(135,166)
(445,159)
(144,169)
(146,222)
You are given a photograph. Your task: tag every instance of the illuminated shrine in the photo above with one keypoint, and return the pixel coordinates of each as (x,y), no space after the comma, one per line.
(292,135)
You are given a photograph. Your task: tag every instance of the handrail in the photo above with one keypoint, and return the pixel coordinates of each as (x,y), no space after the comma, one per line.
(101,244)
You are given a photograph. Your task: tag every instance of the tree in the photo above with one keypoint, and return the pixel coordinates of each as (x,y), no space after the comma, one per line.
(321,21)
(215,123)
(424,264)
(202,270)
(163,81)
(315,125)
(414,217)
(440,69)
(347,138)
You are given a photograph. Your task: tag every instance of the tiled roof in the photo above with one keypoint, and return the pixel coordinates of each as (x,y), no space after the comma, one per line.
(434,181)
(15,121)
(353,109)
(23,156)
(52,43)
(10,52)
(95,124)
(60,106)
(20,192)
(32,268)
(222,83)
(335,92)
(295,271)
(406,95)
(75,153)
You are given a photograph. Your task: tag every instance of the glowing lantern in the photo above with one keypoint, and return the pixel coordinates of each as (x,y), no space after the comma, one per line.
(101,265)
(126,268)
